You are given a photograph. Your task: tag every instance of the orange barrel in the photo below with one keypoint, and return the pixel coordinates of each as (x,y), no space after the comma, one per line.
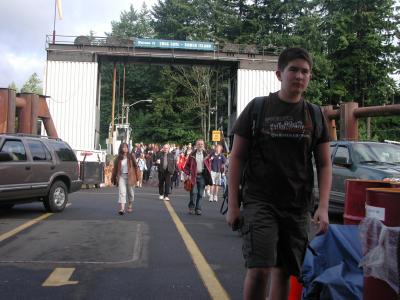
(384,204)
(355,196)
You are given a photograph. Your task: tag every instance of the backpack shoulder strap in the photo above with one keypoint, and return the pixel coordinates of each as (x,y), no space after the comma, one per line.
(256,115)
(316,118)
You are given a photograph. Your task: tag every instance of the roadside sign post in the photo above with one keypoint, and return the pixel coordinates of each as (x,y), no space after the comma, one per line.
(216,136)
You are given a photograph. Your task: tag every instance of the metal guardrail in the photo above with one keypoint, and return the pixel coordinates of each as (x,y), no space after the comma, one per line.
(114,41)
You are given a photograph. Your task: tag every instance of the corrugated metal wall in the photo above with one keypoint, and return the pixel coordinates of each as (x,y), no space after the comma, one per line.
(72,87)
(253,83)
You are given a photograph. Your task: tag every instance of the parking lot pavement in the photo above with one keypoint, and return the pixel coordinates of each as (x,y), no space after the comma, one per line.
(90,252)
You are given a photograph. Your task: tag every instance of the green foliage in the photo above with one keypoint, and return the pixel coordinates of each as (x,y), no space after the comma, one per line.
(32,85)
(386,128)
(13,86)
(134,24)
(174,19)
(352,44)
(360,36)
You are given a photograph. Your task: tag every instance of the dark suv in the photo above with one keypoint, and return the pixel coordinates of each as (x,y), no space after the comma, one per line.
(359,160)
(34,168)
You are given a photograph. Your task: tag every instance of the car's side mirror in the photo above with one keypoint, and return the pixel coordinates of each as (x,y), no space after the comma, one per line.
(341,161)
(5,156)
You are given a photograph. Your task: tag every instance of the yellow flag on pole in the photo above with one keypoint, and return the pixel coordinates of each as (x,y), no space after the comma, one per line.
(59,8)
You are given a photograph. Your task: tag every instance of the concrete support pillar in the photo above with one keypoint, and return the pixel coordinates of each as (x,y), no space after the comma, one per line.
(348,121)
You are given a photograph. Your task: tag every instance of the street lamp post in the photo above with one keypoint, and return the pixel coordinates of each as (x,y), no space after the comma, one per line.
(134,103)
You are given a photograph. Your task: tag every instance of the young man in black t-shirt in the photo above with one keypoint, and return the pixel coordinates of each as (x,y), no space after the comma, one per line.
(277,193)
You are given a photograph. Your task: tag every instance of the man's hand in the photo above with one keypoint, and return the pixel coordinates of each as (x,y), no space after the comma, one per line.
(232,216)
(322,219)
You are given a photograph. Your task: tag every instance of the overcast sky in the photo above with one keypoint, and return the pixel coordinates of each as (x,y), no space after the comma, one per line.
(24,25)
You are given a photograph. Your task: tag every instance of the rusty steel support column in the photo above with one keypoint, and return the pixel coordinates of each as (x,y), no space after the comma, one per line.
(348,121)
(333,133)
(111,132)
(377,111)
(34,113)
(7,110)
(44,114)
(329,111)
(20,102)
(12,107)
(25,114)
(3,110)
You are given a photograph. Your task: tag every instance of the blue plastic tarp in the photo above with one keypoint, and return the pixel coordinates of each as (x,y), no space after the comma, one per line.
(334,273)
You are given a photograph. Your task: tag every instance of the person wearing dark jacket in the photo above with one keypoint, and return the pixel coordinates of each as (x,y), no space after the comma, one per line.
(198,169)
(149,165)
(165,162)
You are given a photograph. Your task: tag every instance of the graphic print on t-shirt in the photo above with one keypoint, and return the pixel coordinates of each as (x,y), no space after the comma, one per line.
(285,127)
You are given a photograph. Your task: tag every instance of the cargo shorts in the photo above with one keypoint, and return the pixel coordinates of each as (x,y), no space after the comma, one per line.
(274,237)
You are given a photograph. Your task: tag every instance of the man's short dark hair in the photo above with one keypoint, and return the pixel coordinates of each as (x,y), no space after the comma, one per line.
(290,54)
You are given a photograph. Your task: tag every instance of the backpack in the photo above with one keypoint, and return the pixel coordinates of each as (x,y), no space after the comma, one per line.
(256,119)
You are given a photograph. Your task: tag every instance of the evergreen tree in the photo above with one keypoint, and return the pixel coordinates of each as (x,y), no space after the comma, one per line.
(174,19)
(134,24)
(13,86)
(351,42)
(360,41)
(32,85)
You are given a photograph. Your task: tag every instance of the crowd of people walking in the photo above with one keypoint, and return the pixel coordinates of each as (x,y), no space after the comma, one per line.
(271,177)
(171,165)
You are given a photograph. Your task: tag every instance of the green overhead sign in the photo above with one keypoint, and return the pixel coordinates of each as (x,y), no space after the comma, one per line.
(172,44)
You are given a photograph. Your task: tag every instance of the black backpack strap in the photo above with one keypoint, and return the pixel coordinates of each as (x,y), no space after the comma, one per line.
(316,118)
(257,114)
(257,118)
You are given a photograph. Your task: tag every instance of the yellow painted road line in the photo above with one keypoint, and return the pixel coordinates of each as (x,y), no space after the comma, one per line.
(24,226)
(210,280)
(60,277)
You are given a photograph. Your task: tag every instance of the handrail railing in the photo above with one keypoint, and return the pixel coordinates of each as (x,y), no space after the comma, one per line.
(114,41)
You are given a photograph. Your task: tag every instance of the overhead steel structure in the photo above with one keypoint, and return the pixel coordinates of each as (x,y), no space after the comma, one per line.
(73,79)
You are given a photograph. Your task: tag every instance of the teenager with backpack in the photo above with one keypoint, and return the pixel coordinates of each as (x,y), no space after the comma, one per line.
(274,147)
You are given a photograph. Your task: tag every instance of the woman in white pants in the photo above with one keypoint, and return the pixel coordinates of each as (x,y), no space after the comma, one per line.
(125,175)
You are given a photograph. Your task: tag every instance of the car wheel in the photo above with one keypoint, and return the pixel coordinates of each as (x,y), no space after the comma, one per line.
(6,206)
(57,198)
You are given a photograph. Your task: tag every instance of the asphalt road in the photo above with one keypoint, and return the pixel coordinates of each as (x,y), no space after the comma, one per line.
(90,252)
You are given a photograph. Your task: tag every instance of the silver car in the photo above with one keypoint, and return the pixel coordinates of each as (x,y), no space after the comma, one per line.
(359,160)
